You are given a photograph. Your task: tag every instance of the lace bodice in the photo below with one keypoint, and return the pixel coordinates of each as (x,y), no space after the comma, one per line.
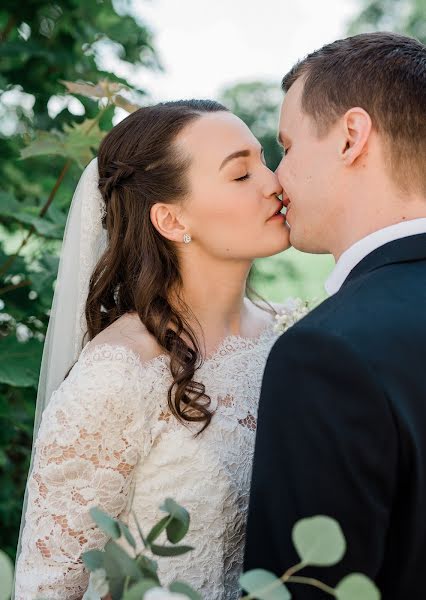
(107,439)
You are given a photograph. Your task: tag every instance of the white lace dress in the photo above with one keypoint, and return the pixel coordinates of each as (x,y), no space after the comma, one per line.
(107,439)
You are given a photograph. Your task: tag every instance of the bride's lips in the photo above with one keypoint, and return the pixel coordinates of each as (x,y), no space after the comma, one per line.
(277,215)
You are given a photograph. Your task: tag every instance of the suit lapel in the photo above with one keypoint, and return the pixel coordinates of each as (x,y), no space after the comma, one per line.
(407,249)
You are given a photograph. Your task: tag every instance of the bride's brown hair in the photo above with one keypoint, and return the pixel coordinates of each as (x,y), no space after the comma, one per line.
(140,165)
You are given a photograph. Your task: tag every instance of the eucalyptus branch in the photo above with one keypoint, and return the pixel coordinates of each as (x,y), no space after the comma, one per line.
(288,578)
(313,582)
(292,570)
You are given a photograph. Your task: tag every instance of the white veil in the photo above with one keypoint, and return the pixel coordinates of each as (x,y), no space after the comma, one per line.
(83,243)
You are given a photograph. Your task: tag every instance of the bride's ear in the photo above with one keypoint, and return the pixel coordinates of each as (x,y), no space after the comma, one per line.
(167,221)
(356,129)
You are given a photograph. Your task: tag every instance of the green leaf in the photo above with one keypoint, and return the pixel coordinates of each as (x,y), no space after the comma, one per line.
(103,89)
(178,527)
(94,559)
(175,510)
(148,567)
(319,541)
(176,531)
(119,567)
(170,550)
(137,591)
(75,142)
(105,522)
(20,361)
(179,587)
(157,530)
(125,531)
(128,565)
(6,576)
(356,586)
(28,215)
(264,585)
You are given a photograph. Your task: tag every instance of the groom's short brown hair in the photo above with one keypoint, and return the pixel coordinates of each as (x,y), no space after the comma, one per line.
(384,73)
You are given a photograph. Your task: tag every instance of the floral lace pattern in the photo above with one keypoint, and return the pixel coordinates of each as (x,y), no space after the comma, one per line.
(107,439)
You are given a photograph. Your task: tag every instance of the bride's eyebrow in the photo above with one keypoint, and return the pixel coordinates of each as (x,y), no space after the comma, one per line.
(238,154)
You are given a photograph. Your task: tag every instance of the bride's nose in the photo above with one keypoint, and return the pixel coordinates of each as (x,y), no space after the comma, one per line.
(274,187)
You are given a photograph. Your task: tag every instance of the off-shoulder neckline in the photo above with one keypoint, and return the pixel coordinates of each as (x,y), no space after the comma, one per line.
(230,345)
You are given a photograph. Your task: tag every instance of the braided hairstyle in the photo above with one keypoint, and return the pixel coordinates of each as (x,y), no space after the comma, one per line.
(139,165)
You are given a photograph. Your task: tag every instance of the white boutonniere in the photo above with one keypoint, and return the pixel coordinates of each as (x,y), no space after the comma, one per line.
(291,311)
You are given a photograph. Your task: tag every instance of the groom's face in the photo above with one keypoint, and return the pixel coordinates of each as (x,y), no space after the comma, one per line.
(309,174)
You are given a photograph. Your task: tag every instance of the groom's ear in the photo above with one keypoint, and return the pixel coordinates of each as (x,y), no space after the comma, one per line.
(356,129)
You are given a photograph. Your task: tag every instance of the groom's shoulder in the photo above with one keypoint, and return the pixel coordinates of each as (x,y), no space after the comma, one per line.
(373,308)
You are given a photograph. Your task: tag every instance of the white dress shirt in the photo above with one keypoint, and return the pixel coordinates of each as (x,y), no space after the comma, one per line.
(353,255)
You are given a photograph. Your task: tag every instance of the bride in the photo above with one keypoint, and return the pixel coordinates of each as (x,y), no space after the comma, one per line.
(161,400)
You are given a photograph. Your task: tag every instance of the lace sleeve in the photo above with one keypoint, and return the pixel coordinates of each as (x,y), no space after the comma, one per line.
(88,445)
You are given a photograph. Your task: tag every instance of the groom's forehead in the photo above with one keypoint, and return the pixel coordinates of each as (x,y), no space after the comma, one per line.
(292,102)
(291,114)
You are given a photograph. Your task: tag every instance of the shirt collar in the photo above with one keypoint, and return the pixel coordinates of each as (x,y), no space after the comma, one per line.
(353,255)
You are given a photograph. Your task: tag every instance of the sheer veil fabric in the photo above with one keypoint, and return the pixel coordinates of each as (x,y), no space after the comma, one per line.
(83,244)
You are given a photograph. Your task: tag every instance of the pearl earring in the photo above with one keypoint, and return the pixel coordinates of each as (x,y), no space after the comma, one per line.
(187,238)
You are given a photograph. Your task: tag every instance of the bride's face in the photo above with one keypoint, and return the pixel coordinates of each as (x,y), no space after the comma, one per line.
(233,195)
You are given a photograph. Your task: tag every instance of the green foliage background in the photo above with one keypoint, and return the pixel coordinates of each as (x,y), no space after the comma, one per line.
(41,45)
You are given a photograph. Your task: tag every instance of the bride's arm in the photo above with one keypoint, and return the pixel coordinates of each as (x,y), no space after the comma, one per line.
(88,445)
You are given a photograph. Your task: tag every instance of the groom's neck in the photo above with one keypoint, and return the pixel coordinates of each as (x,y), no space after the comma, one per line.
(375,213)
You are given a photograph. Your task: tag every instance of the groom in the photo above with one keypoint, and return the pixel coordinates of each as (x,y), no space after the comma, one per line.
(342,417)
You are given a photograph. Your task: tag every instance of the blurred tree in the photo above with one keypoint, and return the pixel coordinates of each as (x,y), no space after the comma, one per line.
(403,16)
(257,103)
(43,43)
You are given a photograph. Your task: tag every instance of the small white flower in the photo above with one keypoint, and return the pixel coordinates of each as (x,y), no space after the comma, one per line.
(159,593)
(292,311)
(99,582)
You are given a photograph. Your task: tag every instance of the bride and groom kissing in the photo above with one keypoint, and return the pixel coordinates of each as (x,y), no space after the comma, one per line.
(184,388)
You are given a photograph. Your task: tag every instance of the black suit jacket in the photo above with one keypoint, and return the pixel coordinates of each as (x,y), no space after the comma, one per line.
(342,429)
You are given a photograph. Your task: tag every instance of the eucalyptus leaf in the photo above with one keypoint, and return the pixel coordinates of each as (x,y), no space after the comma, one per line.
(170,550)
(175,510)
(319,541)
(126,533)
(128,565)
(179,587)
(6,576)
(178,527)
(356,586)
(176,531)
(157,530)
(137,591)
(94,559)
(264,585)
(148,567)
(105,522)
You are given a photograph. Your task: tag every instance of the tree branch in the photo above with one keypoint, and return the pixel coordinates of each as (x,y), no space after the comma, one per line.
(8,28)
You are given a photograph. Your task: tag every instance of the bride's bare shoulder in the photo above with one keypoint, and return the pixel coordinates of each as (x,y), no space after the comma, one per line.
(130,332)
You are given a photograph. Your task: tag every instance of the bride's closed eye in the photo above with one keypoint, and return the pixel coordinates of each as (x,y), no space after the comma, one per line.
(243,178)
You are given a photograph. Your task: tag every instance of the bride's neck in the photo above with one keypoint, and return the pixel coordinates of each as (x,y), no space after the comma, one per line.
(215,295)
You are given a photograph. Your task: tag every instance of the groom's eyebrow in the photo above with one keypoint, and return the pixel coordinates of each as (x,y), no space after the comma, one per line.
(238,154)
